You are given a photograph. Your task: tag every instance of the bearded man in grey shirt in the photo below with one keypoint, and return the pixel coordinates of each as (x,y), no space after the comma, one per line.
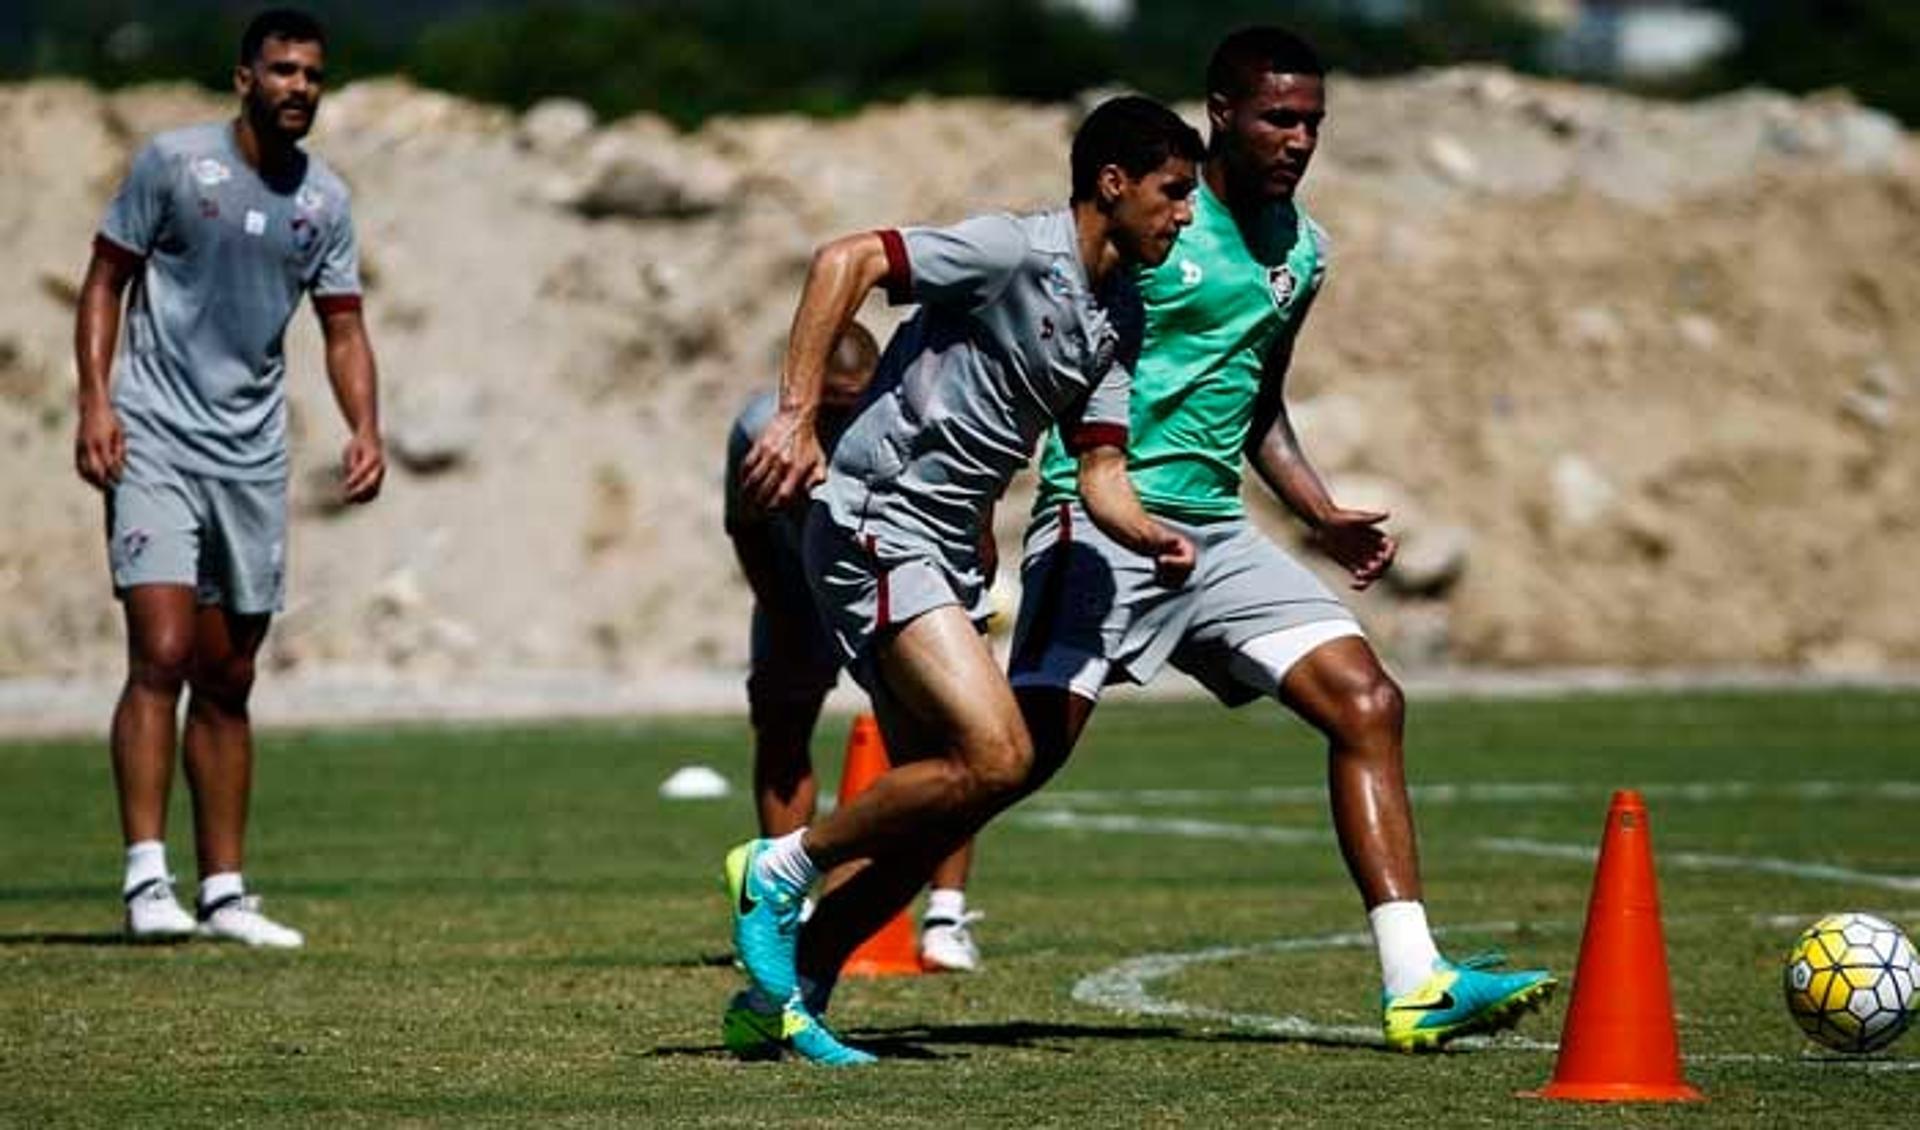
(219,229)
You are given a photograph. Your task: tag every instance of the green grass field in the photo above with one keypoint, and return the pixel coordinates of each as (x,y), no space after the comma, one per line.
(510,927)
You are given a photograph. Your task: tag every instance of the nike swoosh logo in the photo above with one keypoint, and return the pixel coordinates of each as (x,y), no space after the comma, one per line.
(747,901)
(1440,1004)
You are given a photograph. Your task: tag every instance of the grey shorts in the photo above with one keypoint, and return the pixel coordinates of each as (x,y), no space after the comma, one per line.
(227,538)
(872,580)
(1088,603)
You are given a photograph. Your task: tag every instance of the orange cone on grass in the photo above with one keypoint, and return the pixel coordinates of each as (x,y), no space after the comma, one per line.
(891,951)
(1618,1043)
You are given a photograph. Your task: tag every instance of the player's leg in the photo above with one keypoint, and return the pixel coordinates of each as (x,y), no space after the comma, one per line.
(159,619)
(792,669)
(947,943)
(239,590)
(153,547)
(1341,689)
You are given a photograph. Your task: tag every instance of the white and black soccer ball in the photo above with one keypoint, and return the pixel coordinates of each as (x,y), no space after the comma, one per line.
(1850,982)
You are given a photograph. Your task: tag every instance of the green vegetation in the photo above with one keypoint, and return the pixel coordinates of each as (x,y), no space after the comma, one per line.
(509,927)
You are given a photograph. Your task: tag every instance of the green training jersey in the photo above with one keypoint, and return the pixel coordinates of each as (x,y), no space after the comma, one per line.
(1212,313)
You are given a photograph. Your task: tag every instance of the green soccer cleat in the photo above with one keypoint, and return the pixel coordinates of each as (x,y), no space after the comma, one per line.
(757,1036)
(1462,1000)
(766,922)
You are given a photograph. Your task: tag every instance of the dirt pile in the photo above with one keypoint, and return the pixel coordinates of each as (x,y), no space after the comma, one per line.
(1638,380)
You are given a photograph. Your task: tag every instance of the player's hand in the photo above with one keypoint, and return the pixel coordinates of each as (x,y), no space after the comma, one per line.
(1173,562)
(363,466)
(1355,541)
(100,446)
(785,462)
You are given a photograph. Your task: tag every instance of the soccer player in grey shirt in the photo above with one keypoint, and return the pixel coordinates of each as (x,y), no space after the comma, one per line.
(219,230)
(793,663)
(1013,333)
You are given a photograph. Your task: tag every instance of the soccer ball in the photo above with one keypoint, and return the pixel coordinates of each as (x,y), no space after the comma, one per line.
(1850,982)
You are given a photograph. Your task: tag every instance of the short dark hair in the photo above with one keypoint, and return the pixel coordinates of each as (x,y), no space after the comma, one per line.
(1247,55)
(1135,133)
(855,352)
(290,24)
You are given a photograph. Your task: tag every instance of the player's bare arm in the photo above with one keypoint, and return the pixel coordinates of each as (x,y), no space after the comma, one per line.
(1114,507)
(786,460)
(350,369)
(99,445)
(1353,538)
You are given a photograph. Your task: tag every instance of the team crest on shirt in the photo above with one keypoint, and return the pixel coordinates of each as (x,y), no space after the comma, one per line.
(1190,273)
(209,171)
(309,199)
(1281,282)
(306,233)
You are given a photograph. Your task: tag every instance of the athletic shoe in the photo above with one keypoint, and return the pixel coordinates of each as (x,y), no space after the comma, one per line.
(749,1034)
(153,914)
(237,918)
(752,1035)
(947,946)
(1460,1000)
(766,922)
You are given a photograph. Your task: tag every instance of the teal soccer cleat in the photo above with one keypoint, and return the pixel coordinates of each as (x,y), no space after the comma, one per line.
(1461,1000)
(766,922)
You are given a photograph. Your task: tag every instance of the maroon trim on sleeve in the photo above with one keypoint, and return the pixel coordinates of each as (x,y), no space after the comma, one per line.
(125,258)
(899,277)
(1086,437)
(325,304)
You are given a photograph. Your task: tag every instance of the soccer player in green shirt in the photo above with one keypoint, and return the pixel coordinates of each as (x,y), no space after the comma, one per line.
(1221,316)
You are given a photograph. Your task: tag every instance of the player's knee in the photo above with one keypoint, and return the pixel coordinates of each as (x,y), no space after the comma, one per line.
(1375,709)
(225,686)
(1004,765)
(161,661)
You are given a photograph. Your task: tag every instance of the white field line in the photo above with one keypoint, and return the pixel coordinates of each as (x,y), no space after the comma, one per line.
(1495,792)
(1122,823)
(1125,988)
(1705,861)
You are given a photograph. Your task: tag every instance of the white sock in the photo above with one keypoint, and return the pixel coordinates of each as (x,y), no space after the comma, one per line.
(1407,952)
(224,884)
(948,903)
(146,861)
(787,863)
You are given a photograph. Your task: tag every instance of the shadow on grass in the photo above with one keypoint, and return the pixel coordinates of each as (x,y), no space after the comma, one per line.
(93,938)
(945,1041)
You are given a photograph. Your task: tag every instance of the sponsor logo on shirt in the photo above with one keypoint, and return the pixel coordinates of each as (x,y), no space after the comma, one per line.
(1281,282)
(209,171)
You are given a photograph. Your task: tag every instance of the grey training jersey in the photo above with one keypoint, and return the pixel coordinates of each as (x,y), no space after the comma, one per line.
(1008,339)
(224,259)
(747,426)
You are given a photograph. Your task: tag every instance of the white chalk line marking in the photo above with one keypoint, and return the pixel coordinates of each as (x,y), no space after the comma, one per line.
(1495,792)
(1129,824)
(1707,861)
(1123,988)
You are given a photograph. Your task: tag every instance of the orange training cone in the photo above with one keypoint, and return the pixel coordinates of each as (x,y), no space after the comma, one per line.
(890,951)
(1618,1043)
